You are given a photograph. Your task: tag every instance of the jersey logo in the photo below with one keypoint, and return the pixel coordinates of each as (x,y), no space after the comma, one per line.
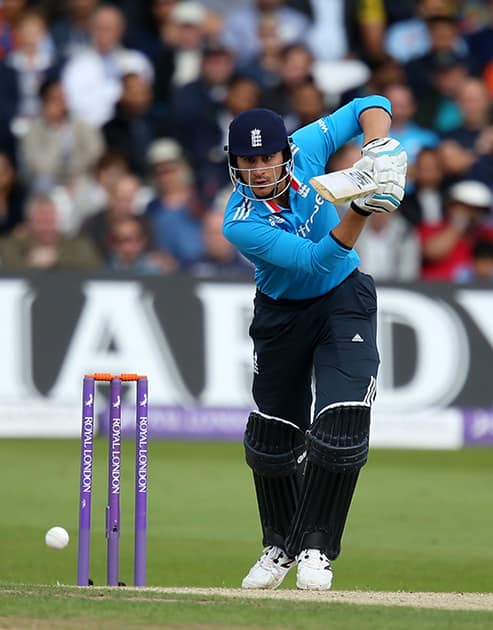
(323,126)
(256,137)
(304,191)
(275,219)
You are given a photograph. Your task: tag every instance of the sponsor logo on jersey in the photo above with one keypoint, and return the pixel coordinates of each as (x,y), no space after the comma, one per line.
(306,227)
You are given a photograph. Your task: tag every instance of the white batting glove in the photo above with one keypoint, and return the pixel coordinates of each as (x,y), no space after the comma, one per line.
(386,160)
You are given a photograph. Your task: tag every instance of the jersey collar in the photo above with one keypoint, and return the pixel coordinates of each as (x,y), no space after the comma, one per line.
(271,204)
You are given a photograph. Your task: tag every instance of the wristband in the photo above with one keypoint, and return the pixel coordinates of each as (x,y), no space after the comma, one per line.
(363,213)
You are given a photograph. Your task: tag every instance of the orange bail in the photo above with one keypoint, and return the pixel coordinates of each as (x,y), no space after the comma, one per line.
(129,377)
(100,376)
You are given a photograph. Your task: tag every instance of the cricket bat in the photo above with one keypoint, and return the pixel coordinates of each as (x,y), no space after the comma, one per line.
(344,185)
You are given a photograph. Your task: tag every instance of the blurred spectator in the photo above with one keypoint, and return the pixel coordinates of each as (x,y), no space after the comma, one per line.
(476,112)
(365,23)
(296,66)
(240,32)
(481,264)
(308,104)
(173,37)
(447,246)
(482,168)
(425,203)
(187,36)
(212,171)
(58,149)
(412,136)
(201,118)
(198,100)
(472,140)
(382,75)
(9,102)
(329,17)
(438,108)
(220,256)
(91,193)
(223,7)
(152,34)
(473,15)
(12,196)
(481,49)
(402,10)
(32,61)
(41,245)
(71,33)
(408,39)
(123,202)
(134,125)
(11,12)
(92,78)
(389,248)
(444,37)
(347,42)
(175,213)
(128,249)
(266,66)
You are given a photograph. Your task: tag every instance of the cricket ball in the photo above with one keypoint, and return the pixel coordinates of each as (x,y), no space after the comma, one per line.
(57,538)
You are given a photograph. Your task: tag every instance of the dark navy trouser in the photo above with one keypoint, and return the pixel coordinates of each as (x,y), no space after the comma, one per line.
(332,337)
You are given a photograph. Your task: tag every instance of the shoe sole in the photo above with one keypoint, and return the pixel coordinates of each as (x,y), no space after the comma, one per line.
(314,587)
(268,587)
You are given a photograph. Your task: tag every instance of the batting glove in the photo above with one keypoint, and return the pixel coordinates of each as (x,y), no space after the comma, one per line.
(386,160)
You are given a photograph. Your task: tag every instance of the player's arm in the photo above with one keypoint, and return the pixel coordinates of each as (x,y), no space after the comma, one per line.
(320,139)
(375,123)
(349,229)
(385,161)
(284,249)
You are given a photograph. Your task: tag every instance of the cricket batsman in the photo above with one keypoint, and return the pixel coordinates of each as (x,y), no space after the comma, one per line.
(315,358)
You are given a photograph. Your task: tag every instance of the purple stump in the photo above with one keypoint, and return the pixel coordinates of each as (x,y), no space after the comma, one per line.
(141,476)
(86,469)
(114,479)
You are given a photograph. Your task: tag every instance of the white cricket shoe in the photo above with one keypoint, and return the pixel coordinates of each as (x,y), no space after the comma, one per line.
(269,570)
(314,570)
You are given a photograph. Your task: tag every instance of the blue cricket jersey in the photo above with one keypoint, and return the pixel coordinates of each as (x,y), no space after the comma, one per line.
(295,256)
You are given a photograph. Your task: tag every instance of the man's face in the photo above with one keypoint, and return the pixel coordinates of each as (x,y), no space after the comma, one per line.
(261,172)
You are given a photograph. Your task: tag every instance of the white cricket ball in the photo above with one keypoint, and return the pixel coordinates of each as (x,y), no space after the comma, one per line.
(57,538)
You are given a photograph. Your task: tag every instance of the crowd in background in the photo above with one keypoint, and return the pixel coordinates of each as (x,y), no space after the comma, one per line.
(114,117)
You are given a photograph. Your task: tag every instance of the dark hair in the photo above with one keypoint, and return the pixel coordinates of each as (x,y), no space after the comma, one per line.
(112,156)
(46,86)
(483,249)
(239,77)
(442,19)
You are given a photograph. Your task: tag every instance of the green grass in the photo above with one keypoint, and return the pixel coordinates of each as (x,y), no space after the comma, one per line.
(420,521)
(97,609)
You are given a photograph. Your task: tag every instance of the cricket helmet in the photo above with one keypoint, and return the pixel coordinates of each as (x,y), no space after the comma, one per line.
(258,131)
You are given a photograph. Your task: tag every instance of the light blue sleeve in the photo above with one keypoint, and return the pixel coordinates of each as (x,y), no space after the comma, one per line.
(283,249)
(320,139)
